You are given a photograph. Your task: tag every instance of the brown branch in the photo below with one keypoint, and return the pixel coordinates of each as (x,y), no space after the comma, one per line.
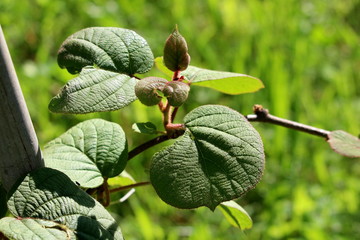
(123,188)
(139,149)
(263,115)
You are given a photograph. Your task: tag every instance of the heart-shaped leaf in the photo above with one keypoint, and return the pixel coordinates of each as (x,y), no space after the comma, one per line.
(95,90)
(88,152)
(344,143)
(226,82)
(109,48)
(57,207)
(220,157)
(28,228)
(236,215)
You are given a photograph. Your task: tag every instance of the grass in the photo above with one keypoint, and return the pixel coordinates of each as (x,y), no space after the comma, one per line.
(305,52)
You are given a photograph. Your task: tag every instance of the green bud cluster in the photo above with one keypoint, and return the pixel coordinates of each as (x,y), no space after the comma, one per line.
(176,93)
(150,91)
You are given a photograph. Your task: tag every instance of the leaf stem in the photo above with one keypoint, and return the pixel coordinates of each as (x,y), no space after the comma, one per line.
(176,76)
(173,114)
(123,188)
(167,115)
(263,115)
(139,149)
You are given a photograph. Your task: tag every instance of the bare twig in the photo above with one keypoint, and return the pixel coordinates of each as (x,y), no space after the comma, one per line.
(263,115)
(139,149)
(123,188)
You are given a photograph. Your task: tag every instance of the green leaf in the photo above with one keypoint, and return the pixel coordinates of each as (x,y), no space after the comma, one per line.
(3,207)
(220,157)
(88,152)
(225,82)
(109,48)
(236,215)
(344,143)
(122,180)
(159,63)
(27,228)
(49,195)
(95,90)
(146,128)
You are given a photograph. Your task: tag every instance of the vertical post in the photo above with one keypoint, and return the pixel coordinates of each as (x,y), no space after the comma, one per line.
(19,148)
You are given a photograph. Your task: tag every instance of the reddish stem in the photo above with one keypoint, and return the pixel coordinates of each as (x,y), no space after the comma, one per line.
(174,113)
(176,76)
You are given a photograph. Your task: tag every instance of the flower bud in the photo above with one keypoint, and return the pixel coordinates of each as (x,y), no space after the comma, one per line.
(176,92)
(176,57)
(147,89)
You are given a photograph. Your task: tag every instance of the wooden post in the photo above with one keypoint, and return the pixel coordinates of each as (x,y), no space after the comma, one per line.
(19,148)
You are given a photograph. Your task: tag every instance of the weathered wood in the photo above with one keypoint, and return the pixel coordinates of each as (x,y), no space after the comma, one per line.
(19,147)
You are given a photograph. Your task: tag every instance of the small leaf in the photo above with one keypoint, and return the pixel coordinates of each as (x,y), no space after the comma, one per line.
(53,201)
(88,152)
(176,57)
(95,90)
(344,143)
(236,215)
(27,228)
(146,128)
(3,207)
(220,157)
(225,82)
(109,48)
(122,180)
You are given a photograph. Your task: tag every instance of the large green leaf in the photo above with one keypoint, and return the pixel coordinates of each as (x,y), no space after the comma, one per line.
(236,215)
(88,152)
(344,143)
(57,209)
(220,157)
(95,90)
(28,228)
(226,82)
(114,49)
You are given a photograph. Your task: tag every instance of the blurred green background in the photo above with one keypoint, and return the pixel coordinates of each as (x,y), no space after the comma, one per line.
(307,53)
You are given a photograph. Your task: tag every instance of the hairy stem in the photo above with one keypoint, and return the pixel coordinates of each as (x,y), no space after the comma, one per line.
(167,115)
(139,149)
(263,115)
(123,188)
(173,114)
